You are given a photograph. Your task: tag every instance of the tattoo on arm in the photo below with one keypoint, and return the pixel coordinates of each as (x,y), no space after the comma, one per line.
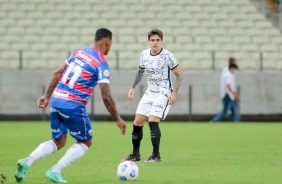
(178,73)
(138,77)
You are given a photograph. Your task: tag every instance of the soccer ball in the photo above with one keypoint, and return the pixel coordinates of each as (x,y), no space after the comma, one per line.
(127,170)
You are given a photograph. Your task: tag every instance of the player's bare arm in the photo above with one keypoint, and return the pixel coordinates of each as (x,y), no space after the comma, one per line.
(110,105)
(137,79)
(179,76)
(236,96)
(43,101)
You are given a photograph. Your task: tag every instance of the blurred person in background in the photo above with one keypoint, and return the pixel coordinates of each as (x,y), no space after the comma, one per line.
(223,71)
(228,92)
(158,63)
(70,88)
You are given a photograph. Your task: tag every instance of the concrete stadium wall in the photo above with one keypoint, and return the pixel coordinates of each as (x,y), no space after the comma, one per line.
(260,93)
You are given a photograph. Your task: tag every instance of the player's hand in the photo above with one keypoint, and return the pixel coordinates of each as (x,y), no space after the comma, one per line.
(236,96)
(172,98)
(42,102)
(131,94)
(122,125)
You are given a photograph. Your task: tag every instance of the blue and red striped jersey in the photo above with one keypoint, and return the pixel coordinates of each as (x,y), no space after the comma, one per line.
(86,68)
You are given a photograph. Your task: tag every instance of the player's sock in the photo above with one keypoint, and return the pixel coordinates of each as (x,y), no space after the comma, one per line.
(43,150)
(75,152)
(155,137)
(137,135)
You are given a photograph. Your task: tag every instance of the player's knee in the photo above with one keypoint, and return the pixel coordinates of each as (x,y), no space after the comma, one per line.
(88,142)
(153,118)
(139,120)
(138,123)
(59,143)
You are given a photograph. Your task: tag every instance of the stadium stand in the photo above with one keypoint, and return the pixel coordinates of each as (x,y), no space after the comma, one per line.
(46,31)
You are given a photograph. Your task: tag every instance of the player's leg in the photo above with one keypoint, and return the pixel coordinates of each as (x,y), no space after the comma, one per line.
(155,134)
(160,109)
(80,128)
(44,149)
(142,112)
(137,135)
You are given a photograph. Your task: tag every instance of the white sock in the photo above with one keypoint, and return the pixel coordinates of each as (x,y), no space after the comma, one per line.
(43,150)
(75,152)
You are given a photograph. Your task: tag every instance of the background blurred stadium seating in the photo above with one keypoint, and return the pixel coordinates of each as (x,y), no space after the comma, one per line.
(197,31)
(203,34)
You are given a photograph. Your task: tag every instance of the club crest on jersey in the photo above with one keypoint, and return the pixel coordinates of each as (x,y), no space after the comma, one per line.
(159,62)
(106,73)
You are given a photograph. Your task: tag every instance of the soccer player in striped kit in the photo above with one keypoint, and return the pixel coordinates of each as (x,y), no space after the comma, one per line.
(158,63)
(70,88)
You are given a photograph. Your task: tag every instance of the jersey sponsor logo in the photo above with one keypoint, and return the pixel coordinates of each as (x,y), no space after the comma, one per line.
(150,72)
(56,130)
(86,57)
(60,94)
(157,80)
(66,95)
(153,91)
(159,106)
(75,133)
(55,110)
(83,56)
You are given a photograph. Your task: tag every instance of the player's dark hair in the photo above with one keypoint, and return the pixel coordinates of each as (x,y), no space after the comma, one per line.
(155,32)
(233,65)
(103,33)
(232,60)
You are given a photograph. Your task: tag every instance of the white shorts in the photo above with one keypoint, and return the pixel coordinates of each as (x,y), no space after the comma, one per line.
(154,103)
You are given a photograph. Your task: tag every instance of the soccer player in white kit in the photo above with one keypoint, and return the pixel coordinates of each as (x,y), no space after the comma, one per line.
(159,96)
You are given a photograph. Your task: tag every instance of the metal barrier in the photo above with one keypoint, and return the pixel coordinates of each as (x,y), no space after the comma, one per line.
(260,60)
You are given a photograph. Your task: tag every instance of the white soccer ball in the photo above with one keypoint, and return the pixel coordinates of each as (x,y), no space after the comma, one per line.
(127,170)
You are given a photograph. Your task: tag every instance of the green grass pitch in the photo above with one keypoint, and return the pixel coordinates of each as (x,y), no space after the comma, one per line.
(201,153)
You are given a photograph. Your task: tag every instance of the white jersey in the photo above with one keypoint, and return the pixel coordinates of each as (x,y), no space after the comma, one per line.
(158,69)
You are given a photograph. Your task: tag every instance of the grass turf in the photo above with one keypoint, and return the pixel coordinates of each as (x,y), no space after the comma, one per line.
(247,153)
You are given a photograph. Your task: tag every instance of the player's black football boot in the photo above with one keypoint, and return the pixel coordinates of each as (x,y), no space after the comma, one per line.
(132,157)
(154,158)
